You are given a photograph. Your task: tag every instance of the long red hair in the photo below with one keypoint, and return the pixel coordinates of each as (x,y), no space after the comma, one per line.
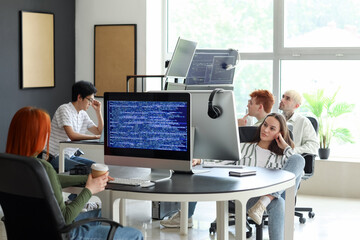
(28,131)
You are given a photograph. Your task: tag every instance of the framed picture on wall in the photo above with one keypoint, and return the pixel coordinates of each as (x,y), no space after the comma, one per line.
(114,57)
(37,52)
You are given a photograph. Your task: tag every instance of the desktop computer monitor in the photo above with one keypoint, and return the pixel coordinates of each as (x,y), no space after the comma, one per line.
(165,130)
(150,130)
(215,138)
(212,68)
(181,59)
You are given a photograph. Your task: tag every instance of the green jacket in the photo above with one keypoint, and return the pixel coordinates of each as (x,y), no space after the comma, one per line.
(59,181)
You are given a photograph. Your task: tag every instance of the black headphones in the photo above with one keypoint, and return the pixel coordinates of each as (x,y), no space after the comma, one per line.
(213,110)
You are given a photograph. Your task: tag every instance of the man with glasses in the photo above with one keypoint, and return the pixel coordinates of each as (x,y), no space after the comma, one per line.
(71,123)
(259,106)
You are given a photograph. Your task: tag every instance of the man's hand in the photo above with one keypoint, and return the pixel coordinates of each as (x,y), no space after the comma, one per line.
(96,105)
(243,121)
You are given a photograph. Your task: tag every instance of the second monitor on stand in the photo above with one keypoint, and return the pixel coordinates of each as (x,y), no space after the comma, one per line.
(212,68)
(216,134)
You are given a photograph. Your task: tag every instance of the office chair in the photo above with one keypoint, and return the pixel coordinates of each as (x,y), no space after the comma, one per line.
(309,171)
(29,204)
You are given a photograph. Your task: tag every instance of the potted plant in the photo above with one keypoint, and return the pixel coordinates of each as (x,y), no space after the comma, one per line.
(326,109)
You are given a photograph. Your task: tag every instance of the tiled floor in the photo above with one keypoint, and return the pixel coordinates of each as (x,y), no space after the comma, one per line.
(335,218)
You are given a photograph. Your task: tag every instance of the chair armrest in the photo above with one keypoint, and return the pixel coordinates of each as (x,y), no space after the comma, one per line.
(308,154)
(309,164)
(113,225)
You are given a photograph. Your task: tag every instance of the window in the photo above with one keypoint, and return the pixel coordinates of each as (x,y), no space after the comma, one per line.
(245,25)
(310,75)
(322,23)
(250,76)
(284,44)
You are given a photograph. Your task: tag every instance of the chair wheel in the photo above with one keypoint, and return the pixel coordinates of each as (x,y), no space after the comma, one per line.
(311,214)
(302,220)
(212,228)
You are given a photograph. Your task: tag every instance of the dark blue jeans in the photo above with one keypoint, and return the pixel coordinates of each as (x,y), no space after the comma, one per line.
(70,162)
(97,231)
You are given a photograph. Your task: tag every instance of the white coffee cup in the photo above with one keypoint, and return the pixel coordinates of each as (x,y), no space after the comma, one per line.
(98,169)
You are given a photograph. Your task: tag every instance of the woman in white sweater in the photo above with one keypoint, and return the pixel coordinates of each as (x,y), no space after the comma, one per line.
(272,148)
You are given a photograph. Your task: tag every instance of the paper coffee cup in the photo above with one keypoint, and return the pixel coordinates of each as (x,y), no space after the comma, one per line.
(98,169)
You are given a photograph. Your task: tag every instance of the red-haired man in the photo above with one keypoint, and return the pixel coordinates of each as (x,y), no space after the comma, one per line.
(259,106)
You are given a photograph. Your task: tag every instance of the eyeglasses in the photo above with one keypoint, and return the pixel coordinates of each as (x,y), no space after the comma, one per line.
(250,102)
(90,100)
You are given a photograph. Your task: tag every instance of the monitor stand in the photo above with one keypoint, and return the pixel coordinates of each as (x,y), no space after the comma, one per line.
(157,175)
(195,169)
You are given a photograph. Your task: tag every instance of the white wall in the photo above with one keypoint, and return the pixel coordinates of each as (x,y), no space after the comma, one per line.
(333,178)
(149,19)
(155,42)
(92,12)
(146,14)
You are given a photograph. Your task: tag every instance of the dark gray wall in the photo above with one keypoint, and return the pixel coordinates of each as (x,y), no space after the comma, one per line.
(12,97)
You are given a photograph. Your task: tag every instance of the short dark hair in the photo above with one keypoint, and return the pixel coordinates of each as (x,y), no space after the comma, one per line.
(83,88)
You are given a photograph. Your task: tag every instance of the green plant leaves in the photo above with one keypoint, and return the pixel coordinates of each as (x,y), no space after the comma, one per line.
(326,110)
(340,109)
(343,134)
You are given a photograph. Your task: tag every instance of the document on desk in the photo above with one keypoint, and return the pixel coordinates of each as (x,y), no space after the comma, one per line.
(242,172)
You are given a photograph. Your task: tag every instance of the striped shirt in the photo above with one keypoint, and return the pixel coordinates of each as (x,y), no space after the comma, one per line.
(67,115)
(250,156)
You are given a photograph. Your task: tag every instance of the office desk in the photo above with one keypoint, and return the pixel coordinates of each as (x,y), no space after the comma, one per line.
(96,145)
(214,185)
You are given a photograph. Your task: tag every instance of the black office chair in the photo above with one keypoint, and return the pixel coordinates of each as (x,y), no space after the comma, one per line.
(309,171)
(29,204)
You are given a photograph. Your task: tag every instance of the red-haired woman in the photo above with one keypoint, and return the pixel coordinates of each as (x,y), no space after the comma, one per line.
(28,134)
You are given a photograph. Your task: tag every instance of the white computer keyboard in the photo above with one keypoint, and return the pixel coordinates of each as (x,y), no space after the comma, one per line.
(132,182)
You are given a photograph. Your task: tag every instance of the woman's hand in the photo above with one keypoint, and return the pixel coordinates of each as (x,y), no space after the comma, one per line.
(281,142)
(196,161)
(98,184)
(110,178)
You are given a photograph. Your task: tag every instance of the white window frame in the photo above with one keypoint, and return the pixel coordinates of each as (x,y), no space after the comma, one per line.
(280,52)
